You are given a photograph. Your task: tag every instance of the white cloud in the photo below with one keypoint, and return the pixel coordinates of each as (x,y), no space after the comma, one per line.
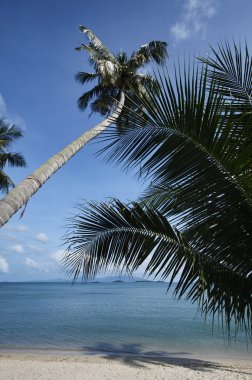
(18,228)
(4,266)
(194,18)
(32,263)
(18,248)
(57,256)
(180,31)
(43,267)
(42,237)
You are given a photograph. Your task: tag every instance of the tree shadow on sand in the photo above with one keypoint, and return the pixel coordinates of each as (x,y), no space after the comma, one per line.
(134,356)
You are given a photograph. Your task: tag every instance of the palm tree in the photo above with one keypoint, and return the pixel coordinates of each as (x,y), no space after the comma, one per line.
(194,221)
(116,74)
(116,77)
(8,134)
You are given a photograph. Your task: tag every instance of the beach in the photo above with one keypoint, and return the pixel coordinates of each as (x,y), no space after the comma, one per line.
(17,366)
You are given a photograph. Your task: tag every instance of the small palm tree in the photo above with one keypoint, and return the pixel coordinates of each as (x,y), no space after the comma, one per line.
(194,221)
(8,134)
(116,77)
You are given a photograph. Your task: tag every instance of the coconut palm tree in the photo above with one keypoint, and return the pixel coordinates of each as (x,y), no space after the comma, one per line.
(194,222)
(116,73)
(8,134)
(116,78)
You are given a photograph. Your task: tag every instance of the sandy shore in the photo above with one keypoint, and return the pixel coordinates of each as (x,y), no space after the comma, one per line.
(15,366)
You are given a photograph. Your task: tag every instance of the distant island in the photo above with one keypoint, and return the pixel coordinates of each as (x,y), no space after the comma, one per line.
(107,279)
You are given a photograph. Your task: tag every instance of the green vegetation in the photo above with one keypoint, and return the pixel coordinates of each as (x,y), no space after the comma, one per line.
(192,144)
(115,74)
(8,134)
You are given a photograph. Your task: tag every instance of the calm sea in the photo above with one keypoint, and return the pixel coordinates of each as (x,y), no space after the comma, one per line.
(138,318)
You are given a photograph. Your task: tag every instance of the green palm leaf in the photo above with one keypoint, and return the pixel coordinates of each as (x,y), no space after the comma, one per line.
(187,150)
(5,182)
(122,237)
(12,159)
(154,50)
(8,134)
(84,100)
(106,102)
(86,77)
(232,69)
(178,114)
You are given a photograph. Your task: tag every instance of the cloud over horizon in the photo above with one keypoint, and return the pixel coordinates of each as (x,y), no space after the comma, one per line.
(32,263)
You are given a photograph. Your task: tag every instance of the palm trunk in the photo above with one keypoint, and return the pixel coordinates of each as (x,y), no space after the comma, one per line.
(20,195)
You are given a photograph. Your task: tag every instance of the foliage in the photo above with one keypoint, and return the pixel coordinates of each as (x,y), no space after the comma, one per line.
(194,147)
(114,73)
(8,134)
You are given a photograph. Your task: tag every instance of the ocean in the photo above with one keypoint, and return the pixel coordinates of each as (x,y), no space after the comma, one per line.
(120,318)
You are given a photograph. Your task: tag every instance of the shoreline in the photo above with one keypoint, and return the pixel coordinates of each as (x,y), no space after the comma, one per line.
(53,366)
(62,351)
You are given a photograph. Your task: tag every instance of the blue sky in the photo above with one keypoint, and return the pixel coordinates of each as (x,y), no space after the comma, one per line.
(38,92)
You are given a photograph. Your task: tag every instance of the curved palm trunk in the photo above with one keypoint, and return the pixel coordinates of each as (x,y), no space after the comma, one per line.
(20,195)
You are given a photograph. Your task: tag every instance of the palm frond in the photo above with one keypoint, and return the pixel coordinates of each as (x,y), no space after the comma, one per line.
(97,44)
(100,222)
(5,182)
(154,50)
(188,148)
(83,77)
(106,102)
(12,159)
(122,58)
(182,113)
(123,237)
(232,70)
(8,133)
(84,100)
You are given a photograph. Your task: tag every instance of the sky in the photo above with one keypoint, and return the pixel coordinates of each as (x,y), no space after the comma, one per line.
(38,93)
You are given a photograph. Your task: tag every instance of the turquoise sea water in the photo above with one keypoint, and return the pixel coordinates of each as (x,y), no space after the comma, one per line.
(137,318)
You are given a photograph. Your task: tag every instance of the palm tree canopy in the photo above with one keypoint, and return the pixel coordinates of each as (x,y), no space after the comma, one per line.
(8,134)
(115,73)
(194,147)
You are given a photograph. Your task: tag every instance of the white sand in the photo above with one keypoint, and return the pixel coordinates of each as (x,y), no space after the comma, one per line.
(58,367)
